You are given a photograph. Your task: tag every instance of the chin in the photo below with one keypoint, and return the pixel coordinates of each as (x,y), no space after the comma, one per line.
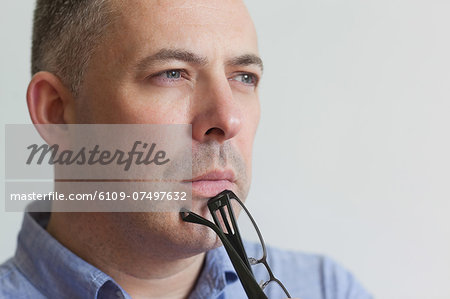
(184,239)
(197,238)
(194,239)
(166,235)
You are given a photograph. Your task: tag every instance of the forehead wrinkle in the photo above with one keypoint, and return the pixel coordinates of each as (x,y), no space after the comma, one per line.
(211,6)
(201,12)
(193,7)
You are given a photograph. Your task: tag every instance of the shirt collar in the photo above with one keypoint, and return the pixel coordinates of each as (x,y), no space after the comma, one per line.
(53,269)
(217,273)
(57,272)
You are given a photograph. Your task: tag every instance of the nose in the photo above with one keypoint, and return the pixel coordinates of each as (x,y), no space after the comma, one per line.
(217,115)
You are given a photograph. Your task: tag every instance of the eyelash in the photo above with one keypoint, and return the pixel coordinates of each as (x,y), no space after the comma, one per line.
(184,74)
(255,78)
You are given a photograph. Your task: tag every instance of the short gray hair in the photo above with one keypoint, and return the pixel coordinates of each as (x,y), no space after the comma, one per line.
(65,35)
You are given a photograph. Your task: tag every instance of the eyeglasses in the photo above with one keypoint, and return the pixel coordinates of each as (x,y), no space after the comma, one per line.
(225,226)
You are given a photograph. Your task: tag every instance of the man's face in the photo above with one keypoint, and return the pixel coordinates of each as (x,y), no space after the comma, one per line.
(181,62)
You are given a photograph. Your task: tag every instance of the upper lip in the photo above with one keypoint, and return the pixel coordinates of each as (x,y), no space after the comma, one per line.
(215,175)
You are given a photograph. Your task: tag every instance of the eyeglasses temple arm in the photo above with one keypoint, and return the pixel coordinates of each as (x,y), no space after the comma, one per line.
(251,287)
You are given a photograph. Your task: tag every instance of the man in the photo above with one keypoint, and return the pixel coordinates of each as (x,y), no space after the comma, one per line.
(151,62)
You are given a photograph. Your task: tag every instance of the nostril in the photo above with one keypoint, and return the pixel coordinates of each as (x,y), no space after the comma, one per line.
(209,131)
(215,131)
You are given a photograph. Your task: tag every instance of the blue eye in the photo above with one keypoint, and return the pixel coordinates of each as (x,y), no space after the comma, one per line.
(172,74)
(246,78)
(169,78)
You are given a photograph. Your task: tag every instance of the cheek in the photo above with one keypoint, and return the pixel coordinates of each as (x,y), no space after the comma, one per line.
(154,114)
(251,121)
(135,109)
(247,135)
(155,108)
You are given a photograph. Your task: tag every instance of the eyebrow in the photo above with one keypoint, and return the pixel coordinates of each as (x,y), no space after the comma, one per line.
(190,57)
(245,60)
(171,54)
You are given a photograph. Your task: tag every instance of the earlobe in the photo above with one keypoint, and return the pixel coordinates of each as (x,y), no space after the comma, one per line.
(49,101)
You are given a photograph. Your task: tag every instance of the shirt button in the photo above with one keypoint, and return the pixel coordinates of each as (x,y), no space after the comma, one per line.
(119,294)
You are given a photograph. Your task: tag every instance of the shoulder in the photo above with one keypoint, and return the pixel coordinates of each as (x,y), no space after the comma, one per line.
(314,276)
(13,284)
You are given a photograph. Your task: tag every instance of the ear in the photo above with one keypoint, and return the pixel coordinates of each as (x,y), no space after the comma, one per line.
(49,101)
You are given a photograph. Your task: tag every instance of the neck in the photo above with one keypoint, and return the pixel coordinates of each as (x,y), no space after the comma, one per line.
(172,280)
(143,268)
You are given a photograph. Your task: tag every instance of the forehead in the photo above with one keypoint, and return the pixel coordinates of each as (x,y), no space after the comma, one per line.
(211,28)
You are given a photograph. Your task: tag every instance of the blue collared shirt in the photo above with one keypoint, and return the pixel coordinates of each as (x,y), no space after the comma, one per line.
(43,268)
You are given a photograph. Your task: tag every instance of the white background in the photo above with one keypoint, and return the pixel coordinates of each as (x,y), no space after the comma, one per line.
(352,154)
